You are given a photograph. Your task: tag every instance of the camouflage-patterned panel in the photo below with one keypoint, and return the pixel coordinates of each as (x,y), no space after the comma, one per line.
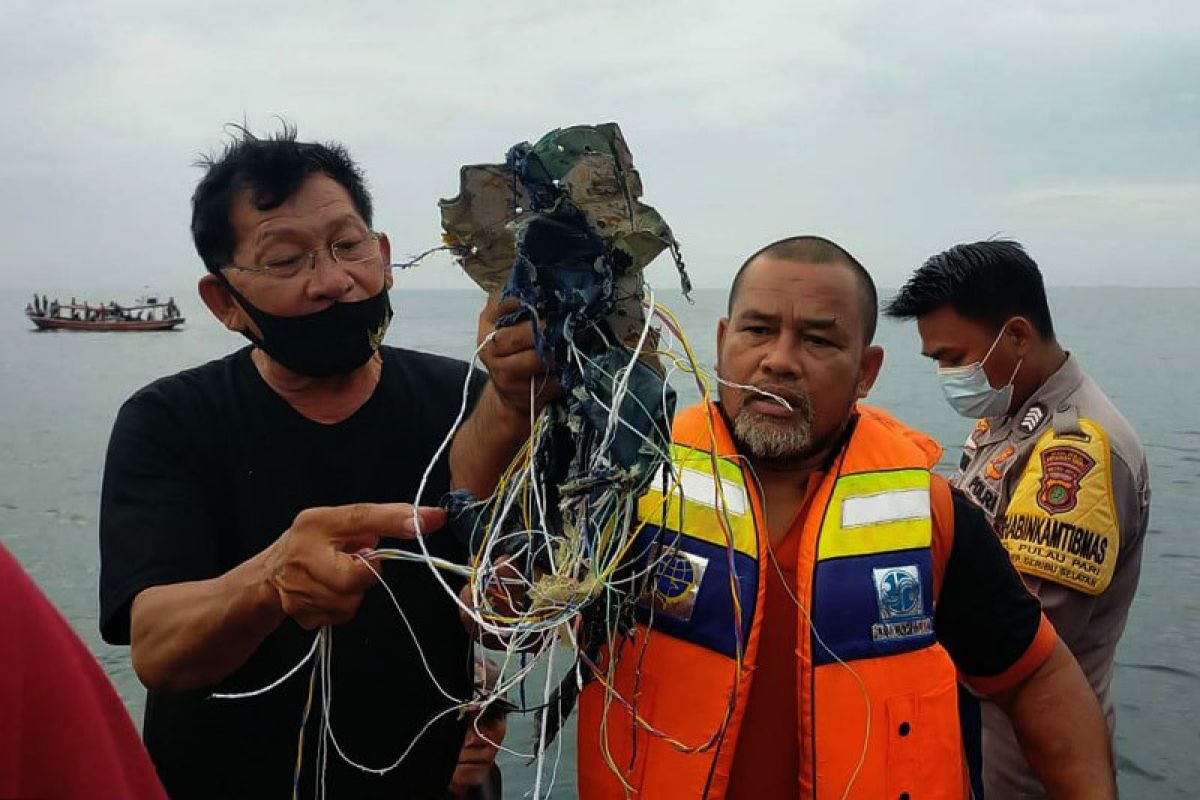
(476,222)
(591,166)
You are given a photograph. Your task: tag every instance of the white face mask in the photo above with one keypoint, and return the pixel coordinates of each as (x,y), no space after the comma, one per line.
(968,391)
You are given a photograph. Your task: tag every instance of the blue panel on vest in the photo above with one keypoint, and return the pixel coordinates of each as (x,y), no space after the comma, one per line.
(688,595)
(873,605)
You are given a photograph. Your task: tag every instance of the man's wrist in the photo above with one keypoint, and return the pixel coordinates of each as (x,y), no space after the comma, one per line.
(503,421)
(260,597)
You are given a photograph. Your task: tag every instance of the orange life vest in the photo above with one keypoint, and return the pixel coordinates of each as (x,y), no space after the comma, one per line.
(662,718)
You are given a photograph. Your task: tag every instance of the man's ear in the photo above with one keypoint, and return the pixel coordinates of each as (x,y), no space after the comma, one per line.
(1023,335)
(222,305)
(722,329)
(385,252)
(872,362)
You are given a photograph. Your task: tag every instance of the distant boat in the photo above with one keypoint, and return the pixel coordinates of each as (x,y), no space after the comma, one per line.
(146,315)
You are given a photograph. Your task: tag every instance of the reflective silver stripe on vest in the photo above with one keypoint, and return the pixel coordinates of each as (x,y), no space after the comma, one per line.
(698,487)
(884,507)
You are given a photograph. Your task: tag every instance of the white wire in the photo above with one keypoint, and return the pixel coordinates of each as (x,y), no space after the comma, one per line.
(273,684)
(585,560)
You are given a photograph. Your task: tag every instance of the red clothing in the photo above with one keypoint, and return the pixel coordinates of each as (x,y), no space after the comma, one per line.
(765,760)
(63,730)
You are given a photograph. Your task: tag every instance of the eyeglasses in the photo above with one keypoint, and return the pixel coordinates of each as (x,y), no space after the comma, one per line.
(495,711)
(350,250)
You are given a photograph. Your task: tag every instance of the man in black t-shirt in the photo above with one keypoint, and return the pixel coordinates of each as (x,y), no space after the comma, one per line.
(239,495)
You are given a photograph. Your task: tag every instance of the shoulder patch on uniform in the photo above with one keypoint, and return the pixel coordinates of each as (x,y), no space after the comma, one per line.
(1063,470)
(1061,523)
(994,470)
(1034,417)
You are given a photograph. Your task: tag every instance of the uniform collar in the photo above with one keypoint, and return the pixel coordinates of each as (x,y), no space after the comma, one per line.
(1039,406)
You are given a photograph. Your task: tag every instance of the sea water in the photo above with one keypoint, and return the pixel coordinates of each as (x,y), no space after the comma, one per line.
(61,391)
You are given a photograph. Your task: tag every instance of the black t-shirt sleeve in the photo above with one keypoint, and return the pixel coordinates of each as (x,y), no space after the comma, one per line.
(985,617)
(155,526)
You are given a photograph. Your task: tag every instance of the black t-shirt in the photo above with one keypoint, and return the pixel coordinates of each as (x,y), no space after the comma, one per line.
(208,467)
(985,617)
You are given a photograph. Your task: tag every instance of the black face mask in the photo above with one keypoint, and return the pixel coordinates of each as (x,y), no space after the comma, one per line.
(335,341)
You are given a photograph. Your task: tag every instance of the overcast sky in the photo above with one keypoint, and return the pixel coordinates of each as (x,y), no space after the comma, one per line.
(895,128)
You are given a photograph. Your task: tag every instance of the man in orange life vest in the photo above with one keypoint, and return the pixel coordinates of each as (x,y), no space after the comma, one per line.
(815,588)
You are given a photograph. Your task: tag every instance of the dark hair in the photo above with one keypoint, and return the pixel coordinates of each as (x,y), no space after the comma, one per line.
(989,282)
(272,169)
(818,250)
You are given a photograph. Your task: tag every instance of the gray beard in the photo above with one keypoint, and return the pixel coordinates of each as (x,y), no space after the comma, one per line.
(771,439)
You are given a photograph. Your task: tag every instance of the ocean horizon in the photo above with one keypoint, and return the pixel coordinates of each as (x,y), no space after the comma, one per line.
(63,389)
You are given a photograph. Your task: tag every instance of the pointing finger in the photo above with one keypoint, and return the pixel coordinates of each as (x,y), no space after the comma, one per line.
(363,524)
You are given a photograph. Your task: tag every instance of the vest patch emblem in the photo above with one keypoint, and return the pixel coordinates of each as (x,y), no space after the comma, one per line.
(994,470)
(1063,469)
(898,590)
(676,582)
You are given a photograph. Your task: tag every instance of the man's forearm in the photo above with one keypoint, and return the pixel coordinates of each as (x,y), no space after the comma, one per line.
(486,444)
(188,635)
(1061,729)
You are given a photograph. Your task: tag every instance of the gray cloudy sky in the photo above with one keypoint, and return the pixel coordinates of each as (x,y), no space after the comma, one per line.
(895,128)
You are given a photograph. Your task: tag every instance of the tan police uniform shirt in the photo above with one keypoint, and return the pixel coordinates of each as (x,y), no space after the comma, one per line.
(1064,483)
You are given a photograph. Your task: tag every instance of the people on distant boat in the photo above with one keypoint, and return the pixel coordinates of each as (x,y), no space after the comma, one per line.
(146,310)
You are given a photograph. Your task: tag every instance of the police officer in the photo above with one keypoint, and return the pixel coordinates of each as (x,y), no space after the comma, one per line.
(1056,468)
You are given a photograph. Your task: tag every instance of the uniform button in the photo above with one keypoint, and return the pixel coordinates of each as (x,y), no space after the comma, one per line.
(904,796)
(905,728)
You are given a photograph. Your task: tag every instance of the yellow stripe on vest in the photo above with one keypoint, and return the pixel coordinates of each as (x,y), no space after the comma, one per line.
(877,512)
(704,502)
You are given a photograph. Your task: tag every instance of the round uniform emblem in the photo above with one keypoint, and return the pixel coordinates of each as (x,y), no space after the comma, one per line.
(1063,469)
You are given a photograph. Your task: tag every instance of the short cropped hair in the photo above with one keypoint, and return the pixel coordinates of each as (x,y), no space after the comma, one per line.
(988,282)
(818,250)
(272,169)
